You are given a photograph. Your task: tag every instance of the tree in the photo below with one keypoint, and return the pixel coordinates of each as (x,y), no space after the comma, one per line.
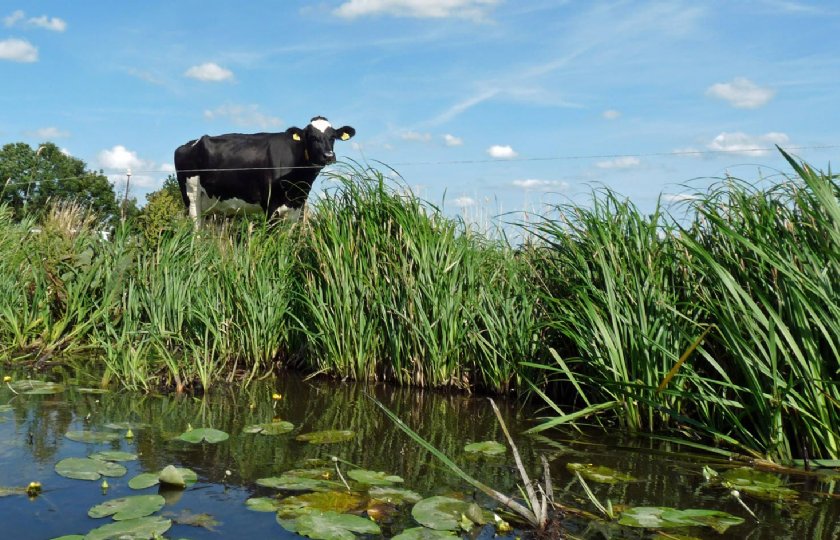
(163,209)
(31,178)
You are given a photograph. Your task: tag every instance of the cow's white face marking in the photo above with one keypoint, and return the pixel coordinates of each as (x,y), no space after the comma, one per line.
(321,125)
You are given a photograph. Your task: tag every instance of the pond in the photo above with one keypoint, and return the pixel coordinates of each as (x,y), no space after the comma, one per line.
(37,432)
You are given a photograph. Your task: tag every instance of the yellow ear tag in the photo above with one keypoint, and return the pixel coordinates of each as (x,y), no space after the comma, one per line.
(295,137)
(345,136)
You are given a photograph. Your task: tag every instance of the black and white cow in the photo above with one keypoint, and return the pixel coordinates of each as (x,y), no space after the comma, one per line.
(260,172)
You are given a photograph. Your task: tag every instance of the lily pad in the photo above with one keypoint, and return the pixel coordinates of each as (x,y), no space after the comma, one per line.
(88,469)
(271,428)
(373,478)
(33,387)
(202,519)
(165,476)
(298,483)
(654,517)
(209,435)
(262,504)
(423,533)
(113,455)
(132,529)
(331,526)
(5,408)
(394,495)
(445,513)
(599,473)
(488,448)
(70,537)
(92,437)
(327,437)
(759,484)
(325,501)
(132,507)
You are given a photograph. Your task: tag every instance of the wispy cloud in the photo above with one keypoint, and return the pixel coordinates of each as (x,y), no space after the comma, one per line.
(623,162)
(452,140)
(464,202)
(476,10)
(611,114)
(462,106)
(748,145)
(498,151)
(18,50)
(535,184)
(415,136)
(209,72)
(48,133)
(244,115)
(741,93)
(18,18)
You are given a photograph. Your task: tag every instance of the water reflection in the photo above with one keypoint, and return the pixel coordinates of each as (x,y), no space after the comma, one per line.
(32,441)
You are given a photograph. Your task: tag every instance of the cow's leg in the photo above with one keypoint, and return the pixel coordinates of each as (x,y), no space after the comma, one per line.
(194,196)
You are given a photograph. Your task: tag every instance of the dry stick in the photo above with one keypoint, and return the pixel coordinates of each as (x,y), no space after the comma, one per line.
(548,497)
(539,510)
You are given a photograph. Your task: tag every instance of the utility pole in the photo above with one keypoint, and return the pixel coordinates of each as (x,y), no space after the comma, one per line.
(125,196)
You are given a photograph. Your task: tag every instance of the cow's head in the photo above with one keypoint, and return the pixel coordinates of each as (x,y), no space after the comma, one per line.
(318,138)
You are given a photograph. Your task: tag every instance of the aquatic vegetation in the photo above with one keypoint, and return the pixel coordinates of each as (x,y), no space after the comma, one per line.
(178,477)
(488,448)
(327,437)
(88,469)
(667,518)
(124,508)
(200,435)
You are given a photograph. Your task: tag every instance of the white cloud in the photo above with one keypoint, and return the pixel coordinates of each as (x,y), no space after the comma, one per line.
(748,145)
(18,50)
(741,93)
(622,162)
(464,202)
(209,72)
(534,184)
(117,160)
(16,16)
(501,152)
(48,133)
(452,140)
(415,136)
(244,115)
(48,23)
(476,10)
(611,114)
(119,157)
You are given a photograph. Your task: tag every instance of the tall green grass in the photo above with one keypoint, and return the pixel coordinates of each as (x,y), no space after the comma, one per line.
(723,322)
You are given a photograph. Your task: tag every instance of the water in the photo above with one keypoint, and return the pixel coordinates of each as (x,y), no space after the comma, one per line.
(32,441)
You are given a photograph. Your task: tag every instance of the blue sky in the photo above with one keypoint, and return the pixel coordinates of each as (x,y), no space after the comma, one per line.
(483,106)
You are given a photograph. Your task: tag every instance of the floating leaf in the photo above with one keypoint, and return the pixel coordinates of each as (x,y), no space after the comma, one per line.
(422,533)
(198,435)
(145,480)
(262,504)
(33,387)
(394,495)
(88,469)
(92,437)
(135,506)
(5,408)
(331,526)
(319,473)
(132,529)
(325,501)
(70,537)
(186,517)
(326,437)
(599,473)
(298,483)
(663,518)
(373,478)
(9,491)
(488,448)
(444,513)
(759,484)
(271,428)
(113,455)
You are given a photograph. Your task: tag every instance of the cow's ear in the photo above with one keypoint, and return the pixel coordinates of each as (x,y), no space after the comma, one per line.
(344,133)
(295,133)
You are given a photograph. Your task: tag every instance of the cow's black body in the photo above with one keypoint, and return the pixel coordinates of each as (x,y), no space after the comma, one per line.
(271,172)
